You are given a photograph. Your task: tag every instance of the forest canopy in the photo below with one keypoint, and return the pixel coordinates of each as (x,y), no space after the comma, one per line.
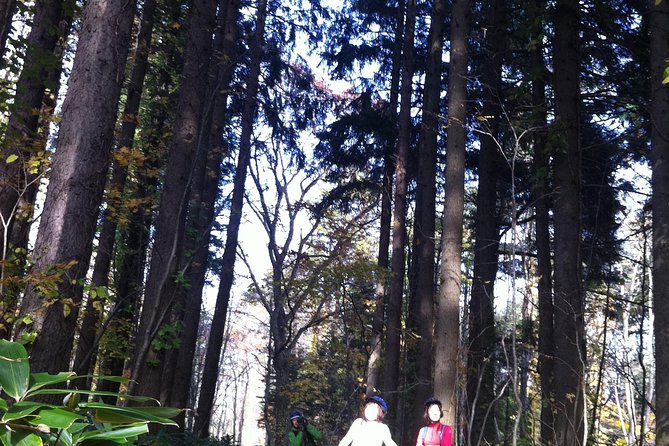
(256,209)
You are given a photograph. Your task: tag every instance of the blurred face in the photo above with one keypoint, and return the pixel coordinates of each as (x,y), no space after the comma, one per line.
(434,413)
(296,422)
(372,412)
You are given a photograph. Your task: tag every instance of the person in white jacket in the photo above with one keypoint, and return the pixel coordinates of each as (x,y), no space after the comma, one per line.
(369,430)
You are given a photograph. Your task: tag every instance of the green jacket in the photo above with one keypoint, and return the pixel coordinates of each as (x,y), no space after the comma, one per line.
(296,436)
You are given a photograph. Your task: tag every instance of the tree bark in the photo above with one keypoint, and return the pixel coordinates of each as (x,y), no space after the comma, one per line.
(87,345)
(77,179)
(542,227)
(204,207)
(27,136)
(659,113)
(447,323)
(22,138)
(424,226)
(158,296)
(21,226)
(398,259)
(208,387)
(482,333)
(380,290)
(569,345)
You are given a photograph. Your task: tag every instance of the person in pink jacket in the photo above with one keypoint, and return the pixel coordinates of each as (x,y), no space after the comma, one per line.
(434,433)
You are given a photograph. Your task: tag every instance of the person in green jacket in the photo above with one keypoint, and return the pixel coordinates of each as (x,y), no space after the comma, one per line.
(302,433)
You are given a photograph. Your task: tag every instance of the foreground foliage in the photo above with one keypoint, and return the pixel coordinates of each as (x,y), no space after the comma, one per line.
(26,421)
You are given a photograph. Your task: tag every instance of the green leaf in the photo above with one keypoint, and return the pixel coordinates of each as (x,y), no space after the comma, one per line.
(22,409)
(77,427)
(114,434)
(665,75)
(64,438)
(14,369)
(39,380)
(11,158)
(56,418)
(105,413)
(21,438)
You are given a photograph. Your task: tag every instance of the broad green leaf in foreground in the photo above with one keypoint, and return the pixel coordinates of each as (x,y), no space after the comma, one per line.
(14,369)
(22,409)
(105,413)
(21,438)
(56,418)
(114,434)
(39,380)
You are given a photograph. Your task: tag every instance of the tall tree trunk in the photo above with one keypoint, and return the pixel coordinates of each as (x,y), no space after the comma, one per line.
(22,139)
(380,291)
(35,139)
(122,320)
(204,210)
(398,260)
(77,179)
(198,224)
(542,225)
(158,296)
(208,387)
(87,345)
(447,323)
(424,227)
(570,345)
(23,121)
(129,281)
(482,334)
(21,225)
(659,53)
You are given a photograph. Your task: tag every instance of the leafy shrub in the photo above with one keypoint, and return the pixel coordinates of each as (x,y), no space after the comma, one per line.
(26,422)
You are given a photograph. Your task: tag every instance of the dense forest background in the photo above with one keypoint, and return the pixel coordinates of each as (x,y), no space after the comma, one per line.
(461,199)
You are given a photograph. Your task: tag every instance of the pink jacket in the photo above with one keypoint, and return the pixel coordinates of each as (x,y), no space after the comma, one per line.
(435,434)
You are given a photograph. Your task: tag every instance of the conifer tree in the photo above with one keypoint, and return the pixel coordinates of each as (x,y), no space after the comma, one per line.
(159,294)
(76,183)
(659,122)
(447,322)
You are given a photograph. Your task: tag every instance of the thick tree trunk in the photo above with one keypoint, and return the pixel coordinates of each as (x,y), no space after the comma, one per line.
(204,208)
(208,387)
(659,53)
(35,138)
(22,138)
(542,228)
(424,227)
(398,260)
(569,345)
(87,345)
(77,178)
(380,291)
(447,323)
(21,225)
(176,184)
(482,335)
